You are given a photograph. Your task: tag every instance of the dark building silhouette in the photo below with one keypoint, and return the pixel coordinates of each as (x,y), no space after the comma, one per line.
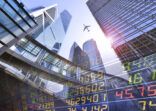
(78,56)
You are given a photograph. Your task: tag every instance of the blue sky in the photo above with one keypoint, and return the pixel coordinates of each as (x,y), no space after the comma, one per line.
(81,15)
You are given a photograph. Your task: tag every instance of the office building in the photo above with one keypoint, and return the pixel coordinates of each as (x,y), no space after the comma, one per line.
(129,23)
(32,75)
(66,18)
(90,48)
(78,56)
(132,27)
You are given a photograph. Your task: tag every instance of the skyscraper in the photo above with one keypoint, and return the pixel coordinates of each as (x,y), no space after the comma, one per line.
(66,18)
(93,53)
(129,23)
(131,26)
(78,56)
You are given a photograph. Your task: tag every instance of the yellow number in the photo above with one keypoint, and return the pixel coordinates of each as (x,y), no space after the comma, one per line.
(151,104)
(154,75)
(143,105)
(94,87)
(127,66)
(77,101)
(100,76)
(137,78)
(95,98)
(87,89)
(104,97)
(83,99)
(72,102)
(81,90)
(101,86)
(84,109)
(89,98)
(72,109)
(104,107)
(96,108)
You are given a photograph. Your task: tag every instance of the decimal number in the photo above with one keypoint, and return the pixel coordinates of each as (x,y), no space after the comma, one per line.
(139,91)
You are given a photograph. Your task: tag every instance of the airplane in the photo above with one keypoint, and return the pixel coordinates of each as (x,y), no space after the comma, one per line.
(86,27)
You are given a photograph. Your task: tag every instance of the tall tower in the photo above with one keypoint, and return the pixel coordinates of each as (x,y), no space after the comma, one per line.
(129,23)
(78,56)
(66,18)
(90,48)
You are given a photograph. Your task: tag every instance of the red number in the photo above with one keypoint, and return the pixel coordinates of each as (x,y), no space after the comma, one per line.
(142,89)
(128,93)
(119,94)
(151,90)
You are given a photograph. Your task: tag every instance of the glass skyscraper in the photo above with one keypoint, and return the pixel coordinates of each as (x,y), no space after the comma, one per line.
(35,78)
(93,53)
(129,23)
(66,18)
(78,56)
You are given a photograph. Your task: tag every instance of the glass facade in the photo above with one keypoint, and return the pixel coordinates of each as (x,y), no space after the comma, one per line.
(129,23)
(93,53)
(52,83)
(131,26)
(14,21)
(78,56)
(66,18)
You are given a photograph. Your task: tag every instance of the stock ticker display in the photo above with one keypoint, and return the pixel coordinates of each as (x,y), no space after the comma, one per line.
(100,92)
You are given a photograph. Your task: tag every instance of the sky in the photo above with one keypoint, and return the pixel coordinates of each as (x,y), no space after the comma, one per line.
(82,15)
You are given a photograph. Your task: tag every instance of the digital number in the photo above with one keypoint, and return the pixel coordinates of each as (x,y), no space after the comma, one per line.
(101,86)
(81,90)
(83,100)
(89,98)
(152,104)
(104,107)
(95,98)
(127,66)
(151,90)
(84,109)
(145,103)
(104,97)
(141,90)
(129,94)
(154,75)
(71,109)
(119,94)
(87,89)
(77,101)
(94,87)
(137,79)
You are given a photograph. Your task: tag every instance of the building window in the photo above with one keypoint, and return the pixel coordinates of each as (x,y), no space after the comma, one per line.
(28,46)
